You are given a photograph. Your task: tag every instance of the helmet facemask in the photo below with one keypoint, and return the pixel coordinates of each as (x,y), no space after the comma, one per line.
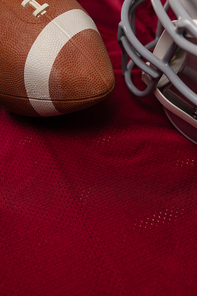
(168,71)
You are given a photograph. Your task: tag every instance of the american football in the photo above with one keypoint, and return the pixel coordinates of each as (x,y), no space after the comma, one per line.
(52,58)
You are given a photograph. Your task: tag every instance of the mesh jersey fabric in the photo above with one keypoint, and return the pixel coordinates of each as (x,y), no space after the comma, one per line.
(101,201)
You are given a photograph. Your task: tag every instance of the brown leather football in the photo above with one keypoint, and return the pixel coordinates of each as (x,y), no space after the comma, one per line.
(52,58)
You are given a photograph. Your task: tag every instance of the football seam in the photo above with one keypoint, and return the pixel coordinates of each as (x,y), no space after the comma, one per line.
(61,101)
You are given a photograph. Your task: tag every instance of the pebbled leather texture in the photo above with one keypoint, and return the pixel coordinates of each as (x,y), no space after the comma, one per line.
(54,64)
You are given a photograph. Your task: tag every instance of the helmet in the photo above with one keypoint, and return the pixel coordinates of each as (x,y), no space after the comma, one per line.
(170,66)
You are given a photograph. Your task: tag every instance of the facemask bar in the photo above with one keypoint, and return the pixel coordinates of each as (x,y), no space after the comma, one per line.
(184,23)
(132,47)
(129,50)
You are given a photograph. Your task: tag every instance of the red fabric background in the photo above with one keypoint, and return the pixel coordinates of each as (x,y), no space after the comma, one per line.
(102,201)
